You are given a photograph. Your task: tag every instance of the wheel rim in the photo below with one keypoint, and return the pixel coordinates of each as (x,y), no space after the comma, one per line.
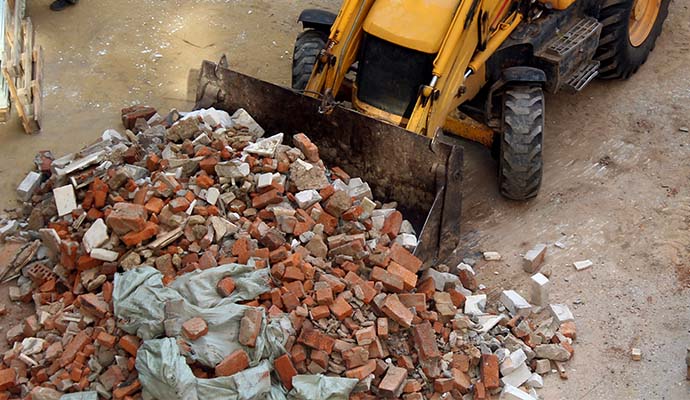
(642,19)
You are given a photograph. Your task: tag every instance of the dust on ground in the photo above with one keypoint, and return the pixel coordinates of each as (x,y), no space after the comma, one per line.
(616,188)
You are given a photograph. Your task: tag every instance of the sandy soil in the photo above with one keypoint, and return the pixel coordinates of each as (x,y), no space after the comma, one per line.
(616,188)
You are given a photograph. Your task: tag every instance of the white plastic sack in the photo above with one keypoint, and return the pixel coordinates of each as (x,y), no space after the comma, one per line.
(320,387)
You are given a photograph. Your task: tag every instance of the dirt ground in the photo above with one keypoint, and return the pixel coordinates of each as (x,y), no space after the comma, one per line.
(616,188)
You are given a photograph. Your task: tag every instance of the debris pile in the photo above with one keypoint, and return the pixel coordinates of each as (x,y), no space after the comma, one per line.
(190,251)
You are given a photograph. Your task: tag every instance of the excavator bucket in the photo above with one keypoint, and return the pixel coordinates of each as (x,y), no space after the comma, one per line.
(423,176)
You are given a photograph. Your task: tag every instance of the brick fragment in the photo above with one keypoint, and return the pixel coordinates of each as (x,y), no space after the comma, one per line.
(233,363)
(316,340)
(106,339)
(489,371)
(324,296)
(130,344)
(306,146)
(382,327)
(392,384)
(341,309)
(443,385)
(226,286)
(461,380)
(73,347)
(391,282)
(363,371)
(250,326)
(403,257)
(356,356)
(127,217)
(320,312)
(285,369)
(194,328)
(392,224)
(425,341)
(408,277)
(8,378)
(396,311)
(366,335)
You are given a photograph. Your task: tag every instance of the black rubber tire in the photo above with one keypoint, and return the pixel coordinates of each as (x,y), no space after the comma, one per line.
(619,58)
(520,165)
(307,47)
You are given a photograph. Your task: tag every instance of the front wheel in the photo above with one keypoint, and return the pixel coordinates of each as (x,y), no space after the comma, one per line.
(520,161)
(307,48)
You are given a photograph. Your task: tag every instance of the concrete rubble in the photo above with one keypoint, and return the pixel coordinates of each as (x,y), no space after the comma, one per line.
(191,193)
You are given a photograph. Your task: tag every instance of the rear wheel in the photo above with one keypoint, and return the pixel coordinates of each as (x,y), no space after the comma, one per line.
(521,166)
(307,47)
(630,30)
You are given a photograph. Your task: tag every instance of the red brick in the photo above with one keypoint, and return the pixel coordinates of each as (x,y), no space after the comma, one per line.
(427,287)
(316,340)
(382,327)
(154,205)
(411,386)
(233,363)
(241,249)
(8,378)
(409,278)
(355,356)
(106,339)
(320,312)
(85,262)
(320,357)
(265,199)
(425,341)
(298,353)
(135,238)
(403,257)
(396,311)
(413,300)
(250,326)
(324,296)
(391,225)
(457,298)
(293,274)
(468,280)
(461,362)
(93,304)
(290,301)
(366,335)
(208,164)
(479,391)
(73,347)
(363,371)
(489,371)
(204,181)
(391,282)
(443,385)
(130,344)
(461,381)
(568,330)
(123,391)
(194,328)
(341,309)
(306,146)
(226,286)
(392,384)
(127,217)
(285,369)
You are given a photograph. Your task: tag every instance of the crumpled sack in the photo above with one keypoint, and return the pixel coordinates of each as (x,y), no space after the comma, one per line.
(146,307)
(149,309)
(164,374)
(320,387)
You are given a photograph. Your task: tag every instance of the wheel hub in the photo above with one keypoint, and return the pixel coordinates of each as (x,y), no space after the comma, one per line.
(642,20)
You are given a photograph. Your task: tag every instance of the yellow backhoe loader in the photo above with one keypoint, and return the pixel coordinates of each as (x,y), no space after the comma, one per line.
(385,88)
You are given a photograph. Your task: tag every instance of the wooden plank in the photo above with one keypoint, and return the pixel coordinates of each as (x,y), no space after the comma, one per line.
(28,124)
(28,55)
(37,85)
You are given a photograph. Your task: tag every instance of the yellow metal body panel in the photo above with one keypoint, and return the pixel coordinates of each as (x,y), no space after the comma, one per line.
(466,127)
(558,4)
(415,24)
(458,70)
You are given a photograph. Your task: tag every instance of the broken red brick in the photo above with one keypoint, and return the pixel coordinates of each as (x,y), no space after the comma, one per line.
(233,363)
(194,328)
(285,369)
(250,326)
(489,371)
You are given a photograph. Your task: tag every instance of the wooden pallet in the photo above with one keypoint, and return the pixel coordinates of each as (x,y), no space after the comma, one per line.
(22,66)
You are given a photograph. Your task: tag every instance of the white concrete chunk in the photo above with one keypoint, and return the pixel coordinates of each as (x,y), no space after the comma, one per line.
(264,180)
(307,198)
(515,303)
(474,305)
(539,290)
(212,195)
(512,393)
(543,366)
(535,381)
(265,147)
(96,235)
(533,259)
(104,255)
(492,256)
(28,185)
(65,200)
(407,241)
(519,376)
(242,118)
(513,361)
(561,313)
(580,265)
